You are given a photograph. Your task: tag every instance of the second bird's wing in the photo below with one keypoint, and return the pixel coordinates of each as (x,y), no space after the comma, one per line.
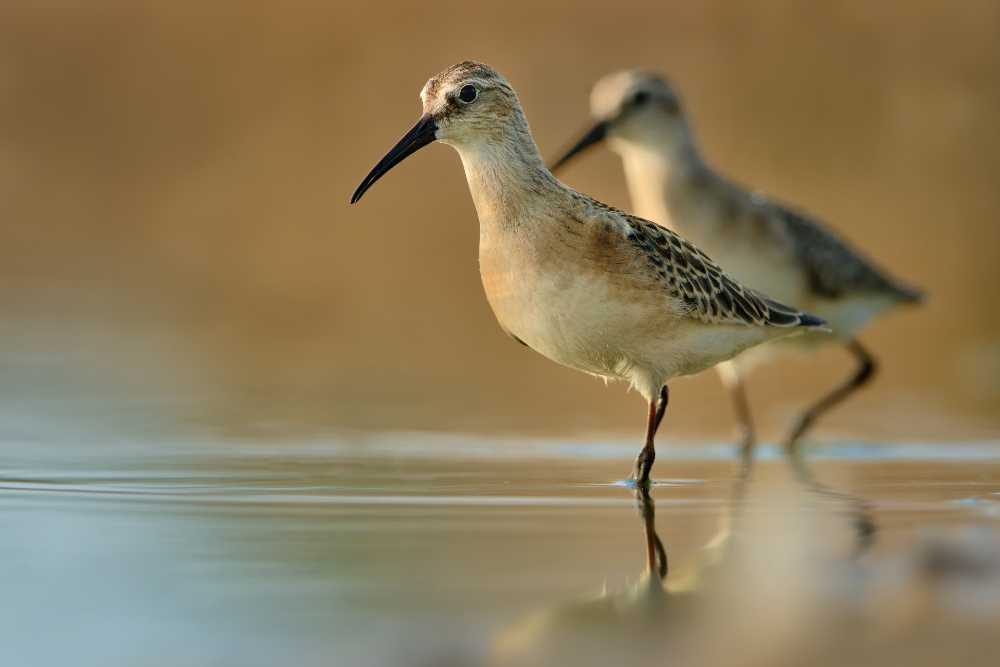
(833,268)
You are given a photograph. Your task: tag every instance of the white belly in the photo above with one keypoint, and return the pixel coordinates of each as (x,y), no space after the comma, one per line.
(580,321)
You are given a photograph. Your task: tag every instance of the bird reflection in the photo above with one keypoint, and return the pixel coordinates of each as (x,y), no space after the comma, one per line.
(861,510)
(640,620)
(656,555)
(660,616)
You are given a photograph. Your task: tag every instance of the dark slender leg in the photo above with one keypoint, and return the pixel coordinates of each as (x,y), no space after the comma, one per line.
(661,407)
(644,462)
(866,368)
(656,555)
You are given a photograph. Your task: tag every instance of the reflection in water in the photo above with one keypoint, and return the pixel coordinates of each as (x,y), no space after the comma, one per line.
(639,623)
(862,511)
(392,552)
(656,555)
(759,593)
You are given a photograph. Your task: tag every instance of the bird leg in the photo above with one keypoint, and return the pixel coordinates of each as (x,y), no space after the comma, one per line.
(733,381)
(644,462)
(864,372)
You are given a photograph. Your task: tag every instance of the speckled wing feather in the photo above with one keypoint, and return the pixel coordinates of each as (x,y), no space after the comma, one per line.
(710,295)
(688,274)
(834,269)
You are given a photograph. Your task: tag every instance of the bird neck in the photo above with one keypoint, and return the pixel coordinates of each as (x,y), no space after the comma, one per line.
(506,174)
(661,173)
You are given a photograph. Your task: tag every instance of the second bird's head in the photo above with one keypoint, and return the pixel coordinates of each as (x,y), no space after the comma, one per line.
(468,106)
(633,109)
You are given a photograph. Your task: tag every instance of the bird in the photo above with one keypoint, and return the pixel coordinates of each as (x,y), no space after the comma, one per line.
(765,244)
(585,284)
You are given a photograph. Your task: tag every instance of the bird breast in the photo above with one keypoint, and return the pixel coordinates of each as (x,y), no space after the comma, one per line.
(559,292)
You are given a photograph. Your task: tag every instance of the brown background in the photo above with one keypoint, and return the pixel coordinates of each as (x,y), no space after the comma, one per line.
(176,246)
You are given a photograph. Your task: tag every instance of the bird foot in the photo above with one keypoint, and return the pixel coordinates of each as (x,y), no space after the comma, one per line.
(643,466)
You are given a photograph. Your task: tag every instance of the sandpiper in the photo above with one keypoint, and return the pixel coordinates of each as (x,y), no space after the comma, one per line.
(764,244)
(582,283)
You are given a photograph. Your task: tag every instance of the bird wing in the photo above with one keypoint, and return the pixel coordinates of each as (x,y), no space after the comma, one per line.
(708,294)
(833,268)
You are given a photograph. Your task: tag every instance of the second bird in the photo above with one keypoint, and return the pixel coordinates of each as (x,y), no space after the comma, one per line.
(766,245)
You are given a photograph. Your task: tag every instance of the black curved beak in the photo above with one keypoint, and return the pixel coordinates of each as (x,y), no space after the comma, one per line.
(421,134)
(595,135)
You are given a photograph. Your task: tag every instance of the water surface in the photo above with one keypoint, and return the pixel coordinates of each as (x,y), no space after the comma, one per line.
(429,550)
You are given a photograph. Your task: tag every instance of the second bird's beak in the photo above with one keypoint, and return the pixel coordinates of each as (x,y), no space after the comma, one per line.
(595,135)
(421,134)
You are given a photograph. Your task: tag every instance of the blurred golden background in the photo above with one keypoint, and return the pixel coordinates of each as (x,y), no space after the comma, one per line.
(177,249)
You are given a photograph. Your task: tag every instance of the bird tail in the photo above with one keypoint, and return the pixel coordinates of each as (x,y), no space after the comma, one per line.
(909,294)
(780,315)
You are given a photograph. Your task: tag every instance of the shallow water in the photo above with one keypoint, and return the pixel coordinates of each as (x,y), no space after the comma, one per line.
(438,550)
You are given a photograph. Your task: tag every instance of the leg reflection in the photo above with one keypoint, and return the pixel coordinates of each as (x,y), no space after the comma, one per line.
(656,555)
(862,511)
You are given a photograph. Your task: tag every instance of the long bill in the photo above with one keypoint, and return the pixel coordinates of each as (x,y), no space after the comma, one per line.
(593,136)
(421,134)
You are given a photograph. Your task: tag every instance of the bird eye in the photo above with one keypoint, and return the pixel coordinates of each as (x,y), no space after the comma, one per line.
(468,94)
(640,98)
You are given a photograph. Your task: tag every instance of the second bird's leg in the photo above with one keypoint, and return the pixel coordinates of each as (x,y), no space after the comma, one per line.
(866,368)
(733,382)
(644,462)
